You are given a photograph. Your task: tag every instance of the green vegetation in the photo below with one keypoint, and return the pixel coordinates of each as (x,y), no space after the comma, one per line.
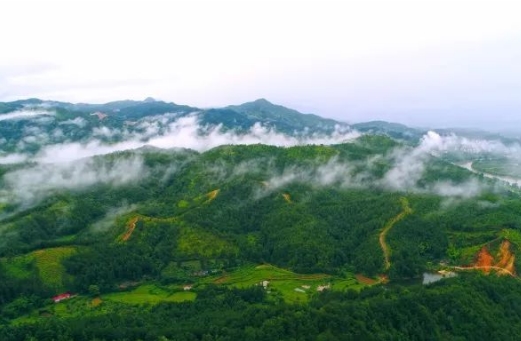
(291,287)
(151,294)
(498,166)
(49,265)
(385,248)
(199,243)
(313,216)
(469,307)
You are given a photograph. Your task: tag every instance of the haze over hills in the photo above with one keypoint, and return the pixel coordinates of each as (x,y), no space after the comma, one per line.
(27,125)
(145,204)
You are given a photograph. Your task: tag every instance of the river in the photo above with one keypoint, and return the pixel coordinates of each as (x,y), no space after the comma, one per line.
(507,179)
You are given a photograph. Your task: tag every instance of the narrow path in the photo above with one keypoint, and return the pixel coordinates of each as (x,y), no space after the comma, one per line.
(491,267)
(130,229)
(406,210)
(287,197)
(211,196)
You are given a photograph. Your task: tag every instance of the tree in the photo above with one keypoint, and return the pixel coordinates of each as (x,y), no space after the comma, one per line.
(94,290)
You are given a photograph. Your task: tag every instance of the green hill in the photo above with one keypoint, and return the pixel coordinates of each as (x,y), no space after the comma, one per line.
(314,241)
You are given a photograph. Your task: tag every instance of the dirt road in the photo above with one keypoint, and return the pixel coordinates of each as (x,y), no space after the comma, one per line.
(406,210)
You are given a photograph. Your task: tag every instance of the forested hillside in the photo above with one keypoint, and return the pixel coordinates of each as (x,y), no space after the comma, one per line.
(317,237)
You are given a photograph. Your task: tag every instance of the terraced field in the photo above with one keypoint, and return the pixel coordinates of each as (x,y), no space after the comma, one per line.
(151,294)
(290,286)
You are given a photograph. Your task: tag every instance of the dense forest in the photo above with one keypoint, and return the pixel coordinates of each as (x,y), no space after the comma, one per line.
(465,308)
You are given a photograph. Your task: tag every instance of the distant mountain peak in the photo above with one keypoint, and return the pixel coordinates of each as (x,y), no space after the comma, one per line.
(150,99)
(257,104)
(262,101)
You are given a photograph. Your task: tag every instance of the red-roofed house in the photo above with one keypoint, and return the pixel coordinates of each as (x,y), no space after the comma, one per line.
(61,297)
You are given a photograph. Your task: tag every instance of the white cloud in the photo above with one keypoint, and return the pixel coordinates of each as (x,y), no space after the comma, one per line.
(24,114)
(186,132)
(78,121)
(468,189)
(67,152)
(29,185)
(410,163)
(108,221)
(105,132)
(434,143)
(12,158)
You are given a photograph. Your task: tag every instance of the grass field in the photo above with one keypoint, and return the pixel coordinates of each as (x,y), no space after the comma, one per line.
(48,264)
(150,294)
(18,267)
(291,286)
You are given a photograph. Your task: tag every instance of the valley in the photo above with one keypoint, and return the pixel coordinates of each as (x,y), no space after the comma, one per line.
(508,179)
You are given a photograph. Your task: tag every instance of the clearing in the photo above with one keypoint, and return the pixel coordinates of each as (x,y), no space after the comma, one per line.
(506,257)
(151,294)
(406,210)
(486,262)
(365,280)
(50,267)
(291,286)
(48,263)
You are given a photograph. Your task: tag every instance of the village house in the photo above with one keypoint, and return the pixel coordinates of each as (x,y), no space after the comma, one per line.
(61,297)
(323,287)
(265,284)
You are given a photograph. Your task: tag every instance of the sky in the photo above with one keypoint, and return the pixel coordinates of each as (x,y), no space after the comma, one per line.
(423,63)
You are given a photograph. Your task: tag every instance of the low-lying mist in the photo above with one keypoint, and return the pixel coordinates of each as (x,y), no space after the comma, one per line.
(69,164)
(24,114)
(31,184)
(184,132)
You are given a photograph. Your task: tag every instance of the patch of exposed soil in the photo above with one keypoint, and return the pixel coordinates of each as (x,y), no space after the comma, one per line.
(100,115)
(365,280)
(484,260)
(505,256)
(96,302)
(510,267)
(383,279)
(130,229)
(287,197)
(211,196)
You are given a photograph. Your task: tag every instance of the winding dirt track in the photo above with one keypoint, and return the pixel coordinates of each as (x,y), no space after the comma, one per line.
(491,267)
(383,244)
(211,196)
(130,229)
